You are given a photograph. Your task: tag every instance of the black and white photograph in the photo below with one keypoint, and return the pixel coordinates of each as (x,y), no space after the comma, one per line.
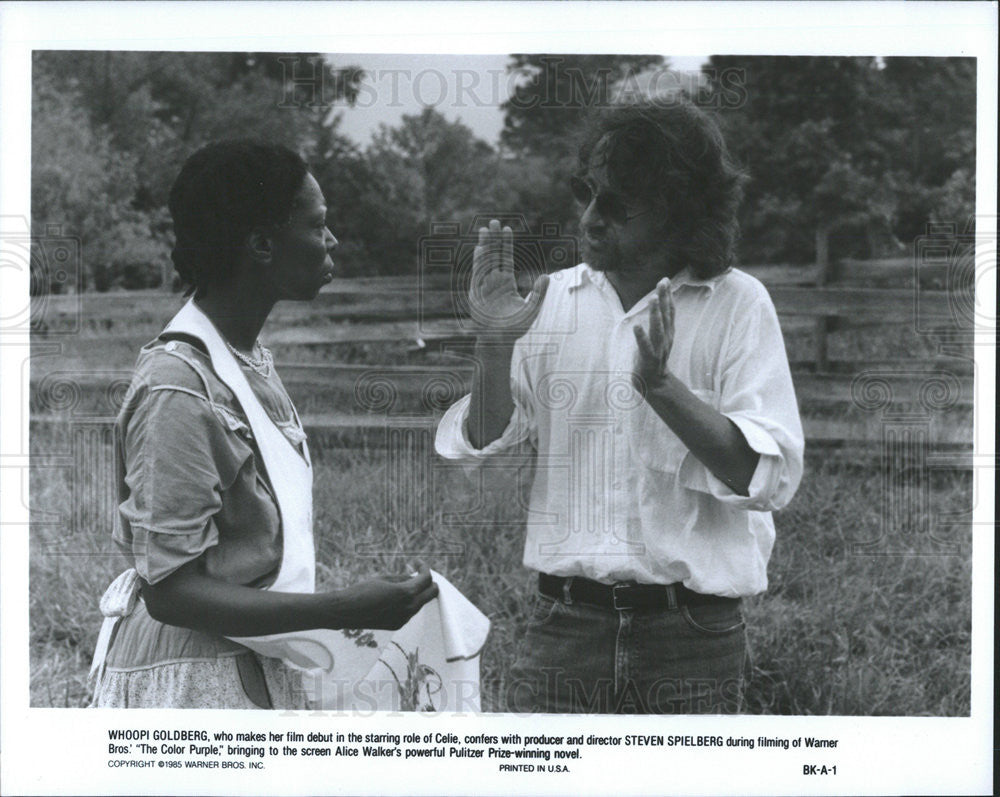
(497,411)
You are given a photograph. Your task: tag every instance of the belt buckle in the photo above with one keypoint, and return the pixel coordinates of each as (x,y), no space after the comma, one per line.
(619,602)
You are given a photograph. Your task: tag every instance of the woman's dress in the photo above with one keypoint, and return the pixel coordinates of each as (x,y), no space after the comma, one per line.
(192,486)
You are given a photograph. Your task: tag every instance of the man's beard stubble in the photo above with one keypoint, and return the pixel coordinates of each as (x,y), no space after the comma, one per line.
(607,258)
(654,257)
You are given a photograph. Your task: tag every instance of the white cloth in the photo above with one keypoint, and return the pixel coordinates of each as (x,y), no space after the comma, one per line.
(117,602)
(430,664)
(616,495)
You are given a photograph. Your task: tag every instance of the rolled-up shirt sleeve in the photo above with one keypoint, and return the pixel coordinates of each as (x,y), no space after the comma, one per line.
(177,465)
(452,438)
(758,397)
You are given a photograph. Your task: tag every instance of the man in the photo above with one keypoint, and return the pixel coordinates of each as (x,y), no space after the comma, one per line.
(654,386)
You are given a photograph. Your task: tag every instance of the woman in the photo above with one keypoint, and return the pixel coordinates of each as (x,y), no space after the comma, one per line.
(213,470)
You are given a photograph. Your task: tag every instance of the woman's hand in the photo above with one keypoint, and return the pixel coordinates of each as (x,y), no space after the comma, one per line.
(387,602)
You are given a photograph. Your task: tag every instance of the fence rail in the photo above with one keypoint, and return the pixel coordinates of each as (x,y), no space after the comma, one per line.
(422,312)
(903,386)
(887,304)
(860,441)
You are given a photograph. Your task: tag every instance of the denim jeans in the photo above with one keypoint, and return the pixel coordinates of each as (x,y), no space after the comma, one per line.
(577,658)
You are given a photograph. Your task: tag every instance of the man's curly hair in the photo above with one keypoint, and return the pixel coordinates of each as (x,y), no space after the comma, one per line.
(672,154)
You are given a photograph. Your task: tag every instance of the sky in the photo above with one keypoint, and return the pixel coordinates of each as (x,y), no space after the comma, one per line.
(466,87)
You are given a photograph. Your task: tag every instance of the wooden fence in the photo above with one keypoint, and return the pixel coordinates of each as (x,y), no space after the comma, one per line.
(845,403)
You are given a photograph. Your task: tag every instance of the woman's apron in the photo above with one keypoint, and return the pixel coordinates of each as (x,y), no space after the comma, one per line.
(361,669)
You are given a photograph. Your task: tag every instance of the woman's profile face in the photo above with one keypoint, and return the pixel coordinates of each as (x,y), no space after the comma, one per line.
(300,254)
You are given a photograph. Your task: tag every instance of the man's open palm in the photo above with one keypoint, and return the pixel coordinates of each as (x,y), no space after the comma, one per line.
(495,304)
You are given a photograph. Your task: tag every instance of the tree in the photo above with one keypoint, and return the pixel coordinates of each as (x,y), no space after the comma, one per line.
(931,109)
(424,170)
(554,93)
(450,169)
(80,183)
(112,128)
(853,149)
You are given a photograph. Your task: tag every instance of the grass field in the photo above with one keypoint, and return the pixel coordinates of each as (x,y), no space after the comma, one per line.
(865,614)
(838,632)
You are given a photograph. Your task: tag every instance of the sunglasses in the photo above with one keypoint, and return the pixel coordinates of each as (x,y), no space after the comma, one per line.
(610,205)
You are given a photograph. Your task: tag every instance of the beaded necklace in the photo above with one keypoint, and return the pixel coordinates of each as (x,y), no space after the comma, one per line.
(260,366)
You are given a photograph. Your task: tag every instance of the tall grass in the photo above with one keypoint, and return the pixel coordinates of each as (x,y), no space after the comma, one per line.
(838,632)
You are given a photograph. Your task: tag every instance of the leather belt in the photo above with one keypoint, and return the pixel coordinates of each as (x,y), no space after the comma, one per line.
(623,595)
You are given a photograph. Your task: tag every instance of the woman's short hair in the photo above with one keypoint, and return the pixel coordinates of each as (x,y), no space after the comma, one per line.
(225,191)
(672,154)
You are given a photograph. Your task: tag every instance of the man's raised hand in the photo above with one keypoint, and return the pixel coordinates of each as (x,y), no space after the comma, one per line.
(495,305)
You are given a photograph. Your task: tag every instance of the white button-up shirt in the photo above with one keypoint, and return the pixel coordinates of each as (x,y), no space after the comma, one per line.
(616,494)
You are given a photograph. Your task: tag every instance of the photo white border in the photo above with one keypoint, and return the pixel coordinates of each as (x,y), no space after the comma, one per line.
(44,751)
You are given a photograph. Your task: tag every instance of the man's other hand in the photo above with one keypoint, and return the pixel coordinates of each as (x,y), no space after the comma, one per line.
(650,367)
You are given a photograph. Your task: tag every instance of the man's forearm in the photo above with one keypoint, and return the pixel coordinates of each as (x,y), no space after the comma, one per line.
(714,440)
(491,404)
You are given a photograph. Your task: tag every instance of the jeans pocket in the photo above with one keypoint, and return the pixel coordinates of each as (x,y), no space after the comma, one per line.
(543,609)
(714,619)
